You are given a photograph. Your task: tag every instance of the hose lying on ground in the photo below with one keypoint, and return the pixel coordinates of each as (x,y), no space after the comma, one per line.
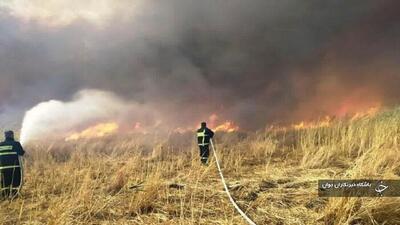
(226,187)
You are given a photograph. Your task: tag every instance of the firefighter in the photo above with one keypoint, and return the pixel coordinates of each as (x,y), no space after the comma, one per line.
(10,167)
(204,136)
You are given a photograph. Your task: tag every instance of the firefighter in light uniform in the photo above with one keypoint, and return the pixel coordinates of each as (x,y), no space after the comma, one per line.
(10,167)
(204,135)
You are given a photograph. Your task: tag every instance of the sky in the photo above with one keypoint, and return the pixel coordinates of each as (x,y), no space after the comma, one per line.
(178,62)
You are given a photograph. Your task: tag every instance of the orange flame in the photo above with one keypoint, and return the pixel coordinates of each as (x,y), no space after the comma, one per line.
(370,112)
(99,130)
(228,126)
(326,122)
(214,123)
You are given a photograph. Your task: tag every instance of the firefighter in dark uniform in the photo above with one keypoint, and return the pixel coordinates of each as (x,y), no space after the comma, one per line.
(10,167)
(204,136)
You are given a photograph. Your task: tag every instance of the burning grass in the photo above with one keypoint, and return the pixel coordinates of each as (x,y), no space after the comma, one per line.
(157,180)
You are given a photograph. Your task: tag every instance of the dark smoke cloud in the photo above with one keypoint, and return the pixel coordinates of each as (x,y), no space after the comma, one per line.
(253,62)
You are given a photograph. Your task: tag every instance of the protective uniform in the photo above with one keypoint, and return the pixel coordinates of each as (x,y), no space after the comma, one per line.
(10,168)
(203,139)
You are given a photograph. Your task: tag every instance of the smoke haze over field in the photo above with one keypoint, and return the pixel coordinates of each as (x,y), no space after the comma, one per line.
(253,62)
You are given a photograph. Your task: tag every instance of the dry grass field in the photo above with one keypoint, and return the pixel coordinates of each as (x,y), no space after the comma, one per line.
(159,180)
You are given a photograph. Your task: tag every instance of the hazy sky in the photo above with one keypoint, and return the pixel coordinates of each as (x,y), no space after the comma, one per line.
(253,61)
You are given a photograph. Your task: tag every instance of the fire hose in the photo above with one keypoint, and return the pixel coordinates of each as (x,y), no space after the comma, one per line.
(243,214)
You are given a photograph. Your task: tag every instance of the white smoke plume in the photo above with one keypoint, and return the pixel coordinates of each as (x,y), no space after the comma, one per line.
(65,12)
(53,119)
